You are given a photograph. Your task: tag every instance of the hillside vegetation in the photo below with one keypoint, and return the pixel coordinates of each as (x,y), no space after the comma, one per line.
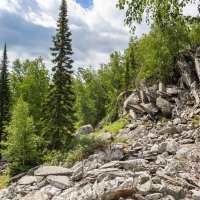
(42,114)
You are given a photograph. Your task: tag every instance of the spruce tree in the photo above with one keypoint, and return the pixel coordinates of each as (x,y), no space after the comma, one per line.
(4,95)
(59,105)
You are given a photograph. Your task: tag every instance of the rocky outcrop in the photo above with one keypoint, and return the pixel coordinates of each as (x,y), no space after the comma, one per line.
(168,101)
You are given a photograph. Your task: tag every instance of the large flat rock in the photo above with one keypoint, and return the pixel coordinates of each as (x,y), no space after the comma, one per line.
(36,196)
(27,180)
(52,170)
(61,182)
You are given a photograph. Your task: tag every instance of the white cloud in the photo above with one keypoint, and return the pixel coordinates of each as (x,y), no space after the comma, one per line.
(40,19)
(9,5)
(96,31)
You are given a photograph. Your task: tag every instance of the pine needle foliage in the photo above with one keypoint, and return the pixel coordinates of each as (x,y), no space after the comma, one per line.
(59,104)
(4,94)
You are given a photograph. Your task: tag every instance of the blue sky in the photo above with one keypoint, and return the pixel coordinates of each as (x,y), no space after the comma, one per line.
(85,3)
(97,29)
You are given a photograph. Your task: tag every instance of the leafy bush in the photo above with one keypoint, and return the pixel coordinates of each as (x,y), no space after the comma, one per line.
(4,181)
(80,148)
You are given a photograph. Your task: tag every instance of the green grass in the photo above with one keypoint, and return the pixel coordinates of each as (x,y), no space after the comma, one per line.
(195,120)
(112,127)
(3,181)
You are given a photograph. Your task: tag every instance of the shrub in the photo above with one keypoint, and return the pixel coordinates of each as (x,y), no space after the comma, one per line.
(113,127)
(78,149)
(4,181)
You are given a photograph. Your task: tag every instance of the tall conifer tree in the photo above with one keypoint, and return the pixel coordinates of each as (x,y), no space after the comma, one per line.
(59,106)
(4,94)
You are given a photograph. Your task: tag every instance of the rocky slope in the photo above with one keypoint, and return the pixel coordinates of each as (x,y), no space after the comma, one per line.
(147,159)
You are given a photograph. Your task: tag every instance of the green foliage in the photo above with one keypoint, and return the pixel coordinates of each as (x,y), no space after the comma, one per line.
(156,53)
(163,120)
(130,64)
(97,91)
(194,34)
(30,80)
(90,97)
(21,139)
(120,140)
(80,148)
(195,120)
(59,120)
(53,157)
(113,127)
(4,95)
(161,12)
(4,181)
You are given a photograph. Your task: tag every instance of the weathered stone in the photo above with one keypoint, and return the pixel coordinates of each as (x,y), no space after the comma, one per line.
(151,95)
(168,197)
(172,91)
(137,109)
(176,165)
(116,155)
(165,106)
(197,62)
(27,180)
(61,182)
(134,165)
(85,130)
(78,173)
(132,126)
(145,188)
(37,195)
(133,114)
(167,130)
(187,141)
(154,148)
(150,108)
(144,177)
(154,196)
(17,177)
(143,97)
(50,190)
(118,193)
(195,195)
(133,99)
(105,136)
(195,94)
(52,170)
(175,191)
(187,79)
(162,147)
(162,87)
(172,146)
